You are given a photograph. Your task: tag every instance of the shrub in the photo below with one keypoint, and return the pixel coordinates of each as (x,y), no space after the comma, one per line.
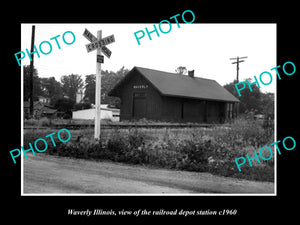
(193,156)
(34,134)
(30,122)
(136,138)
(248,132)
(116,148)
(193,149)
(44,121)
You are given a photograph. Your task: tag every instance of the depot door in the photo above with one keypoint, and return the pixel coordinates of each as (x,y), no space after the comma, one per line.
(139,105)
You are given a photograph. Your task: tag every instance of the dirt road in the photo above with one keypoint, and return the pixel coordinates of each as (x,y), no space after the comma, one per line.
(50,174)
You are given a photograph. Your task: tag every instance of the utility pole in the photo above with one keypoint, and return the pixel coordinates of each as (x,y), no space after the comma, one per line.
(237,65)
(236,107)
(31,74)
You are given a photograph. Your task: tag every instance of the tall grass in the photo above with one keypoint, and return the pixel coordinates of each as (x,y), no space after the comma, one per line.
(192,149)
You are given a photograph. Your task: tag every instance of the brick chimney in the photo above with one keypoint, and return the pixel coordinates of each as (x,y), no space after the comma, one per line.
(191,73)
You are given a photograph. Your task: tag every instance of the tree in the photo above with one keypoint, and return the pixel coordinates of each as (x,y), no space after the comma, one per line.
(83,105)
(37,91)
(51,89)
(64,106)
(249,101)
(231,88)
(267,101)
(181,70)
(108,80)
(71,84)
(90,84)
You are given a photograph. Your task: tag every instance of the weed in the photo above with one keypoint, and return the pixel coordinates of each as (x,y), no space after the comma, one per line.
(194,149)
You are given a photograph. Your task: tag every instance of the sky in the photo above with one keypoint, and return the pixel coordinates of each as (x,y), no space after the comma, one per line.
(205,48)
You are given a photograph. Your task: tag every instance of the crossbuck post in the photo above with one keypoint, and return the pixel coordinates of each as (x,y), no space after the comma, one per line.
(98,92)
(99,44)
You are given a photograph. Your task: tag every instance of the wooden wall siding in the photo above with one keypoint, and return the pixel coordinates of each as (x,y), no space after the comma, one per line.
(212,112)
(152,101)
(171,109)
(191,110)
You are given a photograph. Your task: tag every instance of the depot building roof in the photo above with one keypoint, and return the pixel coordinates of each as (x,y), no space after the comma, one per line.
(177,85)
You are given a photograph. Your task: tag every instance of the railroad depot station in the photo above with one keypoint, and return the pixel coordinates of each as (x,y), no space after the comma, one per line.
(164,96)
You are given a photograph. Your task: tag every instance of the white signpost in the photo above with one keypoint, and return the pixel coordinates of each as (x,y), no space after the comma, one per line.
(99,44)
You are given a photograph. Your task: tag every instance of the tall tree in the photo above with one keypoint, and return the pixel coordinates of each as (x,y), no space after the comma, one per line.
(108,80)
(51,89)
(71,84)
(90,83)
(267,100)
(181,70)
(249,101)
(64,106)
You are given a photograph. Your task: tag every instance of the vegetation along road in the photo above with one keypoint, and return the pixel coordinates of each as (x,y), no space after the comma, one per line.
(45,174)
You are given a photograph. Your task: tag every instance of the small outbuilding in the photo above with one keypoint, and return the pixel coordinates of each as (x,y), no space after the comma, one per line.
(89,114)
(164,96)
(40,109)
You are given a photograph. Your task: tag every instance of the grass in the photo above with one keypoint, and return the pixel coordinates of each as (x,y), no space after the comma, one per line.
(45,122)
(193,149)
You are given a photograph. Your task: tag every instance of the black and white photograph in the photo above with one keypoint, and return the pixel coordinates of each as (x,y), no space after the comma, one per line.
(134,114)
(171,119)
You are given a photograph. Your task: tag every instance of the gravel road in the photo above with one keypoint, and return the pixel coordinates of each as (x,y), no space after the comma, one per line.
(45,174)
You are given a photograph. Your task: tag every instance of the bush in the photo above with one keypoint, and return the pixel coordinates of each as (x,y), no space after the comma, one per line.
(194,149)
(250,132)
(243,137)
(117,147)
(193,156)
(44,121)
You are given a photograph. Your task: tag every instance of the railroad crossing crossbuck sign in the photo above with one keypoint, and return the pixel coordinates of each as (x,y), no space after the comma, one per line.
(95,43)
(98,43)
